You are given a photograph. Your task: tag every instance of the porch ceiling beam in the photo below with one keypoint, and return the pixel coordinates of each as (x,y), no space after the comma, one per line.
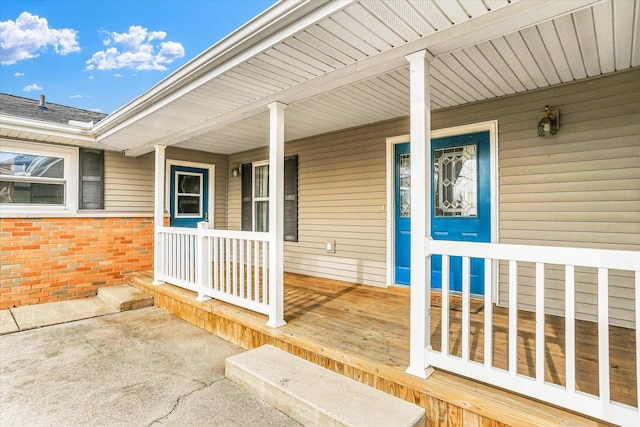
(506,20)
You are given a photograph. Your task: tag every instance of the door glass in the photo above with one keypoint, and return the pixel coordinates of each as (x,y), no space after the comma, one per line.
(405,185)
(455,187)
(189,194)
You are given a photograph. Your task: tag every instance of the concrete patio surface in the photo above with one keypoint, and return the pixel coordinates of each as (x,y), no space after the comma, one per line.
(136,368)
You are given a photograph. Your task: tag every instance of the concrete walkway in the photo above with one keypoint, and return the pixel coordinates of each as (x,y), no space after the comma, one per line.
(136,368)
(111,299)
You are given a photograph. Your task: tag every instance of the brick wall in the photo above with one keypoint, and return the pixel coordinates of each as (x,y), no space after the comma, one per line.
(54,259)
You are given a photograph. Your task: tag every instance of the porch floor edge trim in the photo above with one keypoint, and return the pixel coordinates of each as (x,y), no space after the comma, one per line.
(443,395)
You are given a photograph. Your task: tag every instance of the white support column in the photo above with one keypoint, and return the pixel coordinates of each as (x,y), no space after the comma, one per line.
(276,215)
(420,128)
(158,211)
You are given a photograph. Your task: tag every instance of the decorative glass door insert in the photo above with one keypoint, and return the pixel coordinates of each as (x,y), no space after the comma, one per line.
(455,183)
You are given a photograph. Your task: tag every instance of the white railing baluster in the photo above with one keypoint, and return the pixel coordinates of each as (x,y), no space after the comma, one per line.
(513,317)
(227,265)
(603,334)
(445,303)
(265,273)
(249,267)
(215,264)
(242,267)
(540,323)
(256,271)
(488,313)
(234,264)
(174,254)
(466,294)
(570,328)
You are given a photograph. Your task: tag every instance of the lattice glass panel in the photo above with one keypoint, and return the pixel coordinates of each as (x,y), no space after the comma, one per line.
(405,185)
(455,181)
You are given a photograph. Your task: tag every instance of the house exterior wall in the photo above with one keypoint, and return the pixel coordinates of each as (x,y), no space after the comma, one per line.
(341,197)
(128,183)
(580,188)
(51,258)
(54,259)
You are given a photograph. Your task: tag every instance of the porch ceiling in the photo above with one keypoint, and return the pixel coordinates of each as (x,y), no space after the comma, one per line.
(341,64)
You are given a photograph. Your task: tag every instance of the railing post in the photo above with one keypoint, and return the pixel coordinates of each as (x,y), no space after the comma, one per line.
(158,213)
(203,262)
(420,129)
(276,215)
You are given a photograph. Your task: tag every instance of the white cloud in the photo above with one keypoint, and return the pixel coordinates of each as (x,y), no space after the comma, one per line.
(117,75)
(18,75)
(75,96)
(135,50)
(32,87)
(91,77)
(30,35)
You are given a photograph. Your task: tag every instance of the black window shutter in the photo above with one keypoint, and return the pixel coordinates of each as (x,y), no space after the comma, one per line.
(291,199)
(247,170)
(91,186)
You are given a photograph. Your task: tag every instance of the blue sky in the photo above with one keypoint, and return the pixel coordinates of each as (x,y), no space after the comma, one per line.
(100,54)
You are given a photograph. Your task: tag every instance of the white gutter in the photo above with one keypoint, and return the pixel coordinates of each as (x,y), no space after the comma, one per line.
(46,128)
(194,73)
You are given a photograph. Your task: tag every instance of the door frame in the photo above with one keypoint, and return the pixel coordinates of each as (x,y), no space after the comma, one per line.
(490,126)
(167,194)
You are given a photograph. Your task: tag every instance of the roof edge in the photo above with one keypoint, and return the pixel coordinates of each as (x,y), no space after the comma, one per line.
(259,28)
(73,133)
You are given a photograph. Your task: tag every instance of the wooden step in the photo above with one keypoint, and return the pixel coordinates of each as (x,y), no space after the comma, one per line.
(125,297)
(315,396)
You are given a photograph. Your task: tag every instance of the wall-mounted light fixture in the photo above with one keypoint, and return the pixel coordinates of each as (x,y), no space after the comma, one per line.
(235,172)
(549,122)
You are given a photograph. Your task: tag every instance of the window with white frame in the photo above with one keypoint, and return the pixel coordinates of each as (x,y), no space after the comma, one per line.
(261,196)
(36,176)
(255,197)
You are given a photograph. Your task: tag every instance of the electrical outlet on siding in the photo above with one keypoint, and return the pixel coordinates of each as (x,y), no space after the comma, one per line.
(331,246)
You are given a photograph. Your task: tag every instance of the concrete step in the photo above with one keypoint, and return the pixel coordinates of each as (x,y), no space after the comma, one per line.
(124,297)
(315,396)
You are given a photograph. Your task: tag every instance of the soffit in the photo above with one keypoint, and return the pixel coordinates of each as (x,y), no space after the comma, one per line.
(348,69)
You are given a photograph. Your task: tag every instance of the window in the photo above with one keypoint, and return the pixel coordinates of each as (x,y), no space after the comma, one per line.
(188,194)
(255,197)
(261,197)
(39,178)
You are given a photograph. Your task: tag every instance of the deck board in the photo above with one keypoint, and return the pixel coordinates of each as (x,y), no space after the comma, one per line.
(363,333)
(375,322)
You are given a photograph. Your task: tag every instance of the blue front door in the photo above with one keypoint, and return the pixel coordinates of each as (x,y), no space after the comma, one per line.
(189,196)
(461,205)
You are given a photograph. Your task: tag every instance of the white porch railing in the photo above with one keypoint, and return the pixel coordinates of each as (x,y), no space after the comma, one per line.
(230,266)
(535,386)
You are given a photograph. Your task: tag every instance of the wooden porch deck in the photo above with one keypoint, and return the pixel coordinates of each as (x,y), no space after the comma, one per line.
(363,333)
